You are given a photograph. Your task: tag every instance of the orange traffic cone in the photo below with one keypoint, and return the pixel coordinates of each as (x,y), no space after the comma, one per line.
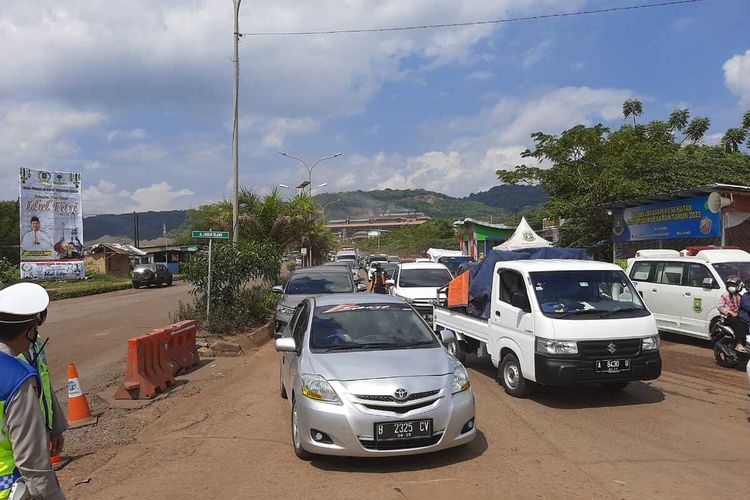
(79,413)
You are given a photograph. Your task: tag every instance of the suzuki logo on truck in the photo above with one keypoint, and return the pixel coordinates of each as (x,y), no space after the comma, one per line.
(611,347)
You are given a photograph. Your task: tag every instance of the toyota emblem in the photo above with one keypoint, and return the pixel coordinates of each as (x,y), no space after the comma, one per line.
(400,394)
(611,347)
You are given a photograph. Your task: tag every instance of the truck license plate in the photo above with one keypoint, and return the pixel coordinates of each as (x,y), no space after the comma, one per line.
(409,429)
(612,365)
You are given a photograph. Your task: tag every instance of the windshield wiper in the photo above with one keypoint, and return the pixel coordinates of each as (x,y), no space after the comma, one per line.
(623,310)
(340,347)
(576,312)
(416,343)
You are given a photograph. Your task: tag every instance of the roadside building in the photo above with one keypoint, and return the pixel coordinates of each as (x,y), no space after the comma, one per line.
(111,258)
(712,215)
(173,255)
(477,237)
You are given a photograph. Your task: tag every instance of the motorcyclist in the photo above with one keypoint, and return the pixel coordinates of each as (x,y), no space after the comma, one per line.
(729,308)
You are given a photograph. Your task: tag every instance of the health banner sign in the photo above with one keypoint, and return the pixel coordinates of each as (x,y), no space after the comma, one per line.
(690,218)
(51,225)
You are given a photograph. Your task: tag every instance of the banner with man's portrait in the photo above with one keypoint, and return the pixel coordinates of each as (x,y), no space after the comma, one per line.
(51,225)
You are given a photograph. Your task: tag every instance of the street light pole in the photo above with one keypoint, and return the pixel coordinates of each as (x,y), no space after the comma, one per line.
(235,126)
(309,167)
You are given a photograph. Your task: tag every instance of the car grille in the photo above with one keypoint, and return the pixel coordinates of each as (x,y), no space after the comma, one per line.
(599,349)
(391,399)
(401,444)
(400,410)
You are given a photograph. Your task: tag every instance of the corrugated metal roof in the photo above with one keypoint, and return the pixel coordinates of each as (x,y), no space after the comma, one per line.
(681,195)
(119,249)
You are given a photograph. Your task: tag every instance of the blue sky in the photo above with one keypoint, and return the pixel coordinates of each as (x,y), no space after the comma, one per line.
(137,95)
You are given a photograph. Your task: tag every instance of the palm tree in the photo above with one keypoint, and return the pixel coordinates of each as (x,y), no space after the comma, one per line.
(746,120)
(733,139)
(696,129)
(632,107)
(678,119)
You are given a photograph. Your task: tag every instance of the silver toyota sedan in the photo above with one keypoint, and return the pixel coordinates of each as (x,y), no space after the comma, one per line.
(366,376)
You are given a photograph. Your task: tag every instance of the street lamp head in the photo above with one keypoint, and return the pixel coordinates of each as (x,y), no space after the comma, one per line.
(321,185)
(285,186)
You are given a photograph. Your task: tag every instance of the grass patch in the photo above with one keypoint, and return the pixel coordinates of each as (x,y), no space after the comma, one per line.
(96,283)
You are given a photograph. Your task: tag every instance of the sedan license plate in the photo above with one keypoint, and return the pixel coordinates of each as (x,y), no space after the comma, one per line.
(409,429)
(612,365)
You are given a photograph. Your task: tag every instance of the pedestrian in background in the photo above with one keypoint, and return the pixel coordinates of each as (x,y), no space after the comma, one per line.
(25,468)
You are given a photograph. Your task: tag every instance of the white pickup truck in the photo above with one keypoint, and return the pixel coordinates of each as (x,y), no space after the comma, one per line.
(559,322)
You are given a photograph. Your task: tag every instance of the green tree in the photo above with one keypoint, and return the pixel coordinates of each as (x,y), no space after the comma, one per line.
(594,166)
(696,129)
(632,107)
(678,119)
(733,139)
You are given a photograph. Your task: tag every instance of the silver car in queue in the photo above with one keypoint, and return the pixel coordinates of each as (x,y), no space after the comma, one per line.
(366,376)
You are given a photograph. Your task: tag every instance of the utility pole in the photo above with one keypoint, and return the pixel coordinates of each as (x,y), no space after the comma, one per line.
(235,126)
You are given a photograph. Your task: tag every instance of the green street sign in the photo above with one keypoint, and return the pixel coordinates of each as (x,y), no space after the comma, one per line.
(215,235)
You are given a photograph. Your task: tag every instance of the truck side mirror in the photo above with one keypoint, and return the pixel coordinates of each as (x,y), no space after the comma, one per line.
(520,301)
(708,283)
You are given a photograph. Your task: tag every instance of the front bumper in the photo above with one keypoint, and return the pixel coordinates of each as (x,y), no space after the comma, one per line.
(351,430)
(556,371)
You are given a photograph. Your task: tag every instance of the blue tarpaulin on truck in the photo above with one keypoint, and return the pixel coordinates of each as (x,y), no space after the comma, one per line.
(480,289)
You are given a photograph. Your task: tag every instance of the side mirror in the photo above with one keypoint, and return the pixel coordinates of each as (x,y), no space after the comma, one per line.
(447,337)
(285,344)
(278,289)
(361,287)
(520,301)
(390,282)
(708,283)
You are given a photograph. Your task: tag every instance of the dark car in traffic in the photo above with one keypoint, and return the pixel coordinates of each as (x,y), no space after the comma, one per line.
(310,281)
(150,274)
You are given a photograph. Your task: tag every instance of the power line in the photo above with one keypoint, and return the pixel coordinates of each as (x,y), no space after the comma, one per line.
(473,23)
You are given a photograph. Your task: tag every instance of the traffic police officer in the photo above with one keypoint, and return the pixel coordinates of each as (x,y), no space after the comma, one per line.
(24,437)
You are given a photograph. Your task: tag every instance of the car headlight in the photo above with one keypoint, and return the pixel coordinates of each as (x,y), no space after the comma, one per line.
(650,343)
(460,379)
(286,311)
(556,347)
(317,388)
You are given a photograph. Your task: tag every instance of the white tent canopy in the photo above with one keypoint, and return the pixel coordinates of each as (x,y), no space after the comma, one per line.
(524,237)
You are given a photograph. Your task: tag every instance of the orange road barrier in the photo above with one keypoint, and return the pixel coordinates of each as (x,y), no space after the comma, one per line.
(148,371)
(79,413)
(458,290)
(182,353)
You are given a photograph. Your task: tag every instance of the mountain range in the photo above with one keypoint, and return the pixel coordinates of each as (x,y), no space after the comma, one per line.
(497,204)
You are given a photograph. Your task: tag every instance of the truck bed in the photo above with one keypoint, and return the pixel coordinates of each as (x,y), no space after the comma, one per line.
(461,323)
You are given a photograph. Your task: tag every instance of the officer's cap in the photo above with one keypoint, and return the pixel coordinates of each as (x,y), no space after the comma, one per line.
(22,302)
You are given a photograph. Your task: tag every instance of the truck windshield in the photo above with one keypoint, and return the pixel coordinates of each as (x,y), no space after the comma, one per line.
(418,278)
(726,269)
(586,294)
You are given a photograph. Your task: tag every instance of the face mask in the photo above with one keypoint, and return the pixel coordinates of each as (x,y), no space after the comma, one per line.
(732,289)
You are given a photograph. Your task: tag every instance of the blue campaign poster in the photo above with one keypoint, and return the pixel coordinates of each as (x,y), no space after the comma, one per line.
(690,218)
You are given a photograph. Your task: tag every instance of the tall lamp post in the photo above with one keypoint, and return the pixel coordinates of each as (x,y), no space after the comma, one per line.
(326,206)
(235,126)
(308,166)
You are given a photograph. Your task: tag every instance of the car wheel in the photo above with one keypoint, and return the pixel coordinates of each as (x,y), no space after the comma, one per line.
(296,437)
(136,285)
(458,350)
(169,282)
(511,377)
(614,386)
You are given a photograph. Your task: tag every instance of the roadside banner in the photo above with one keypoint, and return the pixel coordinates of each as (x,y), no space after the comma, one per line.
(51,225)
(690,218)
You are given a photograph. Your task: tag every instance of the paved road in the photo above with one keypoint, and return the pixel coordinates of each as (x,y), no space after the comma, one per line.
(92,331)
(682,436)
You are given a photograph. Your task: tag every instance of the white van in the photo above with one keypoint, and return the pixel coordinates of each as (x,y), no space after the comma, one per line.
(418,284)
(683,291)
(560,322)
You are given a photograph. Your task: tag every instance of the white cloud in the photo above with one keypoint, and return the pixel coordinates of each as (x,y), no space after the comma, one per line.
(737,76)
(117,134)
(479,145)
(106,197)
(535,54)
(480,75)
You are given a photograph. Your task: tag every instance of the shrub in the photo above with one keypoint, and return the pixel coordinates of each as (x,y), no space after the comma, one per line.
(9,272)
(251,307)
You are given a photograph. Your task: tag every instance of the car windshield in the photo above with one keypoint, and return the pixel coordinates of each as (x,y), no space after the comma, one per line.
(570,294)
(415,278)
(741,269)
(369,326)
(319,283)
(453,263)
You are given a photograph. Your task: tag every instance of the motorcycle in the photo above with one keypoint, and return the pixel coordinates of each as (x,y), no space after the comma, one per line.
(724,342)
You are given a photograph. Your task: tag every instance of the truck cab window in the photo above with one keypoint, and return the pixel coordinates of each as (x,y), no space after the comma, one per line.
(510,282)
